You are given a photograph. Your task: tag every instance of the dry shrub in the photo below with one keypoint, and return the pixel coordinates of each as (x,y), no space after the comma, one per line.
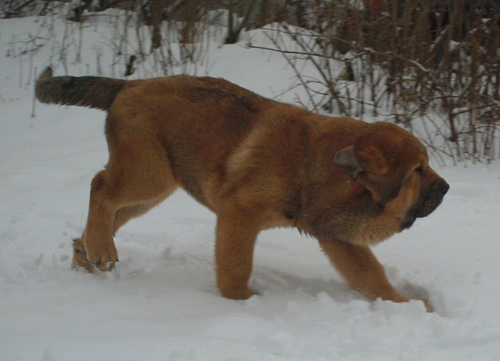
(432,66)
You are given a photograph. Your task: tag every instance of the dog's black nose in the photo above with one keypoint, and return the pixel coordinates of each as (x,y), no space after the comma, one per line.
(443,188)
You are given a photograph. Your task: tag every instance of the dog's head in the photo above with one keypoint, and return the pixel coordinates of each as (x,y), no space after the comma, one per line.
(394,167)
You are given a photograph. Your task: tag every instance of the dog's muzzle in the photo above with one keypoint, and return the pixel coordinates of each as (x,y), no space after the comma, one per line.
(428,202)
(432,198)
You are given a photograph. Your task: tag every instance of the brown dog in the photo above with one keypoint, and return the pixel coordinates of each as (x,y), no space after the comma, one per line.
(257,164)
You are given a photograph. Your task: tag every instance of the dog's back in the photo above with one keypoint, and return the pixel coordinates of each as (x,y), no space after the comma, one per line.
(201,122)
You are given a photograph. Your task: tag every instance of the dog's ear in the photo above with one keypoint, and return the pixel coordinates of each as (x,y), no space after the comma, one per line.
(353,162)
(373,160)
(348,161)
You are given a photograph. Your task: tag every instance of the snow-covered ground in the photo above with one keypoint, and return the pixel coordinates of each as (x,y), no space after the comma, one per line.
(161,303)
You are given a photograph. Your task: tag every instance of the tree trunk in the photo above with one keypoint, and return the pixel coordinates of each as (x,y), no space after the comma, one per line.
(156,8)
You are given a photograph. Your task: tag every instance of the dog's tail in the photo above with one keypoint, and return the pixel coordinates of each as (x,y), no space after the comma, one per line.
(85,91)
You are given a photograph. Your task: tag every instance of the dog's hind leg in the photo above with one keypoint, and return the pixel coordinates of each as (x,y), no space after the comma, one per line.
(125,214)
(80,255)
(122,216)
(138,176)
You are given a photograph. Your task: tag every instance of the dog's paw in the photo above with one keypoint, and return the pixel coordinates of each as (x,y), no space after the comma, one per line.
(236,293)
(428,306)
(80,256)
(102,257)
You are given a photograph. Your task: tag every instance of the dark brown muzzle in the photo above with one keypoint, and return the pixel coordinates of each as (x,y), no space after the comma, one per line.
(428,202)
(431,199)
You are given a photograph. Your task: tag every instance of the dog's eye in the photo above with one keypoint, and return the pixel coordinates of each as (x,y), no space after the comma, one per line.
(420,170)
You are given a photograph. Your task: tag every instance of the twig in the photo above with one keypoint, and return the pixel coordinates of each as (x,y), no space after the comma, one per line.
(33,108)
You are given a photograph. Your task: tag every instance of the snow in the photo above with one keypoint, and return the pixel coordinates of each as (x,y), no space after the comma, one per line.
(161,303)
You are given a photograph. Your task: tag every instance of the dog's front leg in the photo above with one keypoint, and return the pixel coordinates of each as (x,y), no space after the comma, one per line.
(362,271)
(236,235)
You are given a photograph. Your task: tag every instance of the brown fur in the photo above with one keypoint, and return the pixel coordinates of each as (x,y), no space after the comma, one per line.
(257,164)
